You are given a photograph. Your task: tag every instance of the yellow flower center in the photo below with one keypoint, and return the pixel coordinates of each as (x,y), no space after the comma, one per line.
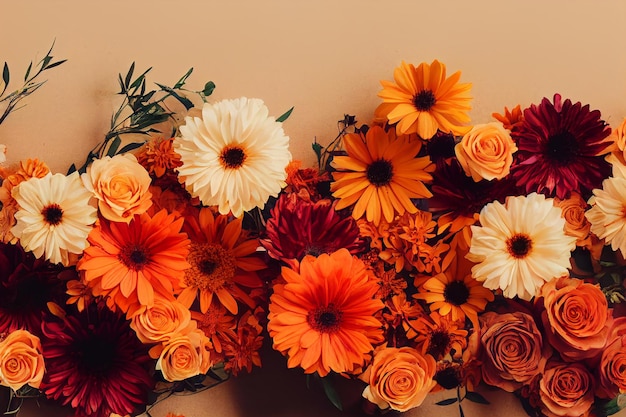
(232,157)
(212,266)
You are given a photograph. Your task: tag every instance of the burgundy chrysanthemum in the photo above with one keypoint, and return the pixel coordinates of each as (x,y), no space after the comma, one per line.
(561,149)
(299,227)
(459,198)
(95,363)
(27,285)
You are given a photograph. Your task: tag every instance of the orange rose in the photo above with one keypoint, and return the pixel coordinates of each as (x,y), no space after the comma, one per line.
(161,321)
(486,152)
(566,390)
(21,360)
(576,224)
(612,369)
(513,350)
(184,356)
(577,318)
(121,186)
(399,378)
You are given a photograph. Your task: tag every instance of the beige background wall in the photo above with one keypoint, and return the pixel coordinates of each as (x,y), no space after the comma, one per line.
(323,57)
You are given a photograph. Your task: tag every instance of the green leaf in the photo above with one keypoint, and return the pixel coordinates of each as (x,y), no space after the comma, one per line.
(141,79)
(461,413)
(129,75)
(56,64)
(72,169)
(331,393)
(208,88)
(5,77)
(447,401)
(284,116)
(317,148)
(183,100)
(182,80)
(30,66)
(114,146)
(130,147)
(476,397)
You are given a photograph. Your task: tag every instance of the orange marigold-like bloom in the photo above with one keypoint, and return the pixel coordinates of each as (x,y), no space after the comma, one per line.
(322,318)
(222,261)
(217,323)
(438,335)
(510,118)
(133,262)
(423,100)
(158,156)
(380,175)
(242,352)
(454,292)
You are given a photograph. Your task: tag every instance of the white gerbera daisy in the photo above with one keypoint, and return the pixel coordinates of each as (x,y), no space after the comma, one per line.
(234,156)
(54,216)
(520,245)
(608,214)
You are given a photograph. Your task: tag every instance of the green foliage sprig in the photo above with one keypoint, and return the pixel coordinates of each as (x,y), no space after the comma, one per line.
(31,83)
(140,111)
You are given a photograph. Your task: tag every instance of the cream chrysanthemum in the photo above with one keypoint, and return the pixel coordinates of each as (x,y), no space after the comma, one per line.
(520,245)
(608,214)
(234,156)
(54,216)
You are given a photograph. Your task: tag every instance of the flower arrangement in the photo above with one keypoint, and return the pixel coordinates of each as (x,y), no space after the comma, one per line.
(422,253)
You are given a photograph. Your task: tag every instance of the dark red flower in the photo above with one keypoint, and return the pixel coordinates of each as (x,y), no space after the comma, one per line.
(300,227)
(561,149)
(27,285)
(95,363)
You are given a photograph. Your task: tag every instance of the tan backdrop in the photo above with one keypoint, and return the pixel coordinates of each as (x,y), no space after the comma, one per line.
(323,57)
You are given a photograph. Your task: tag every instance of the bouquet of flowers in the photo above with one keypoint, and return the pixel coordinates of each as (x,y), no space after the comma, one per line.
(421,254)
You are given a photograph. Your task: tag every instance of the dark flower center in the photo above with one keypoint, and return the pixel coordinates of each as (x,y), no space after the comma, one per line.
(439,342)
(456,293)
(325,319)
(424,100)
(441,146)
(448,378)
(232,157)
(380,172)
(562,148)
(519,245)
(96,355)
(134,257)
(207,267)
(52,214)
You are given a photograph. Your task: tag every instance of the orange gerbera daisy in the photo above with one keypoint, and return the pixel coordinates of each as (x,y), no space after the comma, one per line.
(422,100)
(454,292)
(222,261)
(133,262)
(380,174)
(322,318)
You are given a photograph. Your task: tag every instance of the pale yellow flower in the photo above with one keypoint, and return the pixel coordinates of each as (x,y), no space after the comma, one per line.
(234,155)
(54,216)
(520,245)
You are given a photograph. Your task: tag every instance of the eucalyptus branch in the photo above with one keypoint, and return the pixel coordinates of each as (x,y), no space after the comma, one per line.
(31,84)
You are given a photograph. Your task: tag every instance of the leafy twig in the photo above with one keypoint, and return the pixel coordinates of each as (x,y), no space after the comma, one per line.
(30,83)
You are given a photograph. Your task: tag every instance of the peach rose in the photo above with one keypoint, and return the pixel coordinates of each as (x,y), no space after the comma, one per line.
(184,356)
(577,318)
(21,360)
(486,152)
(400,378)
(566,390)
(612,369)
(576,224)
(160,322)
(121,186)
(513,350)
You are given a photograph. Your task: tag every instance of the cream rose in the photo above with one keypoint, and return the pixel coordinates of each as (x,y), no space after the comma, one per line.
(400,378)
(121,186)
(160,322)
(21,360)
(184,356)
(486,152)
